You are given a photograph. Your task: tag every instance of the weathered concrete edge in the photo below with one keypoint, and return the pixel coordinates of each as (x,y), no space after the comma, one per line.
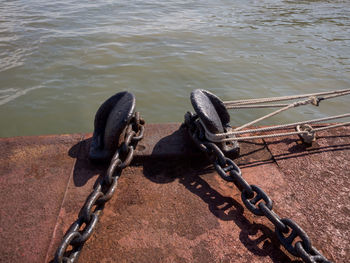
(161,140)
(54,232)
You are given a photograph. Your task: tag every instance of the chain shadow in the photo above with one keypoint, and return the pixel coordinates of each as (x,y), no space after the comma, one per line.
(253,153)
(257,238)
(84,169)
(299,149)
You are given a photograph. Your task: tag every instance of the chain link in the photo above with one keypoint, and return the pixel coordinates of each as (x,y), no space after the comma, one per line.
(273,217)
(89,214)
(290,235)
(295,231)
(259,195)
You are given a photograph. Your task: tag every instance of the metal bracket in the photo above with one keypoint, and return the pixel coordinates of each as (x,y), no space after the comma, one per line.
(309,137)
(213,114)
(111,120)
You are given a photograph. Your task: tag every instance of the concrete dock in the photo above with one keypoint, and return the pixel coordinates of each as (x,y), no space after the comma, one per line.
(170,204)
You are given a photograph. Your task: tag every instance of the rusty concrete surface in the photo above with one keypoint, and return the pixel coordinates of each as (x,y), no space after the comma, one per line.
(170,205)
(318,180)
(34,172)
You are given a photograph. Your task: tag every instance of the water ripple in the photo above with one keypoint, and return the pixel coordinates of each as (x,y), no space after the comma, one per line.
(12,94)
(78,53)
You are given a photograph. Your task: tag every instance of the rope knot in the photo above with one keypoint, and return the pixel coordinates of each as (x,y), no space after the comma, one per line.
(316,101)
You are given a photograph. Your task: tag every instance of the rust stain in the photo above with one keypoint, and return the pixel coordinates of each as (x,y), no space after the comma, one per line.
(31,193)
(170,205)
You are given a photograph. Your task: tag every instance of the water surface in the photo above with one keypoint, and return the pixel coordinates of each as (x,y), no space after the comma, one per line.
(61,59)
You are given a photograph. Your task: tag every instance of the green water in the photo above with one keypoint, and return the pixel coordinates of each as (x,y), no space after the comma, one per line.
(61,59)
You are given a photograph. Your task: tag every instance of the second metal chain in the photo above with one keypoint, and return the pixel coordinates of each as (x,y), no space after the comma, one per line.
(289,233)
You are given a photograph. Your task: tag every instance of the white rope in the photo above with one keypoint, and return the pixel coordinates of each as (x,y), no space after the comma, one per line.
(281,134)
(253,106)
(257,106)
(336,95)
(218,137)
(228,104)
(293,105)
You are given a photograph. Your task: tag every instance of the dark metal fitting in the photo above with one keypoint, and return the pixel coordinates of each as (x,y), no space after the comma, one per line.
(310,136)
(111,119)
(214,116)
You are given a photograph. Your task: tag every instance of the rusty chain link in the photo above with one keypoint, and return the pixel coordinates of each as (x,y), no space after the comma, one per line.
(290,235)
(75,237)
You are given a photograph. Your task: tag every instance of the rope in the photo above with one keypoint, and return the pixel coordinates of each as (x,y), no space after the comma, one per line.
(256,106)
(277,134)
(217,137)
(229,104)
(252,106)
(336,95)
(293,105)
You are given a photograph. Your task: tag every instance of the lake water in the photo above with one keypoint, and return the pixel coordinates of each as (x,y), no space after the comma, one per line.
(59,60)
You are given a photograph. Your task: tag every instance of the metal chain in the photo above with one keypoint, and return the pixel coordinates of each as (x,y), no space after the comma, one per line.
(75,237)
(291,235)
